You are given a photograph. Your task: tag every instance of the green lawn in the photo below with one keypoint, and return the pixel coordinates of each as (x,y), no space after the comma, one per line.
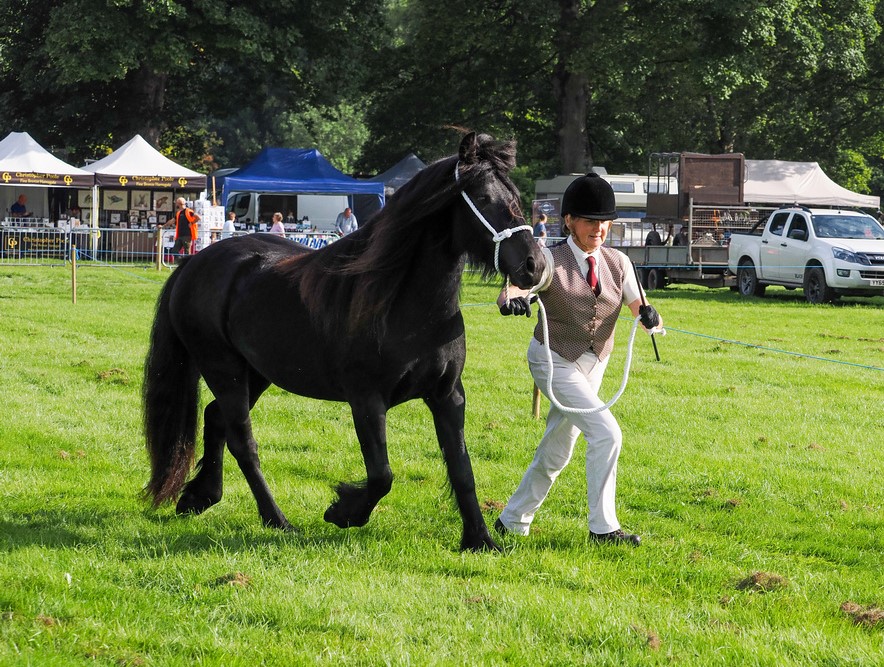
(753,475)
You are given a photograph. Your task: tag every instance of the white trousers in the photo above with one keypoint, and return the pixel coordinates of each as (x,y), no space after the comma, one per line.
(575,384)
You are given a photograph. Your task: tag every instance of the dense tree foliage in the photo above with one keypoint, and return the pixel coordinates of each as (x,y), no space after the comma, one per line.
(576,82)
(210,81)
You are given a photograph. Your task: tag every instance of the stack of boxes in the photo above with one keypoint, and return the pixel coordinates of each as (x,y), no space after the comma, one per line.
(211,221)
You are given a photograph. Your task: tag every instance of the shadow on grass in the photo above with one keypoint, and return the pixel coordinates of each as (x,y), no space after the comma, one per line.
(78,528)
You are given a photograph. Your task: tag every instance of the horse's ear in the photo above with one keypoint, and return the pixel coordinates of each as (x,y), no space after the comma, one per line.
(468,148)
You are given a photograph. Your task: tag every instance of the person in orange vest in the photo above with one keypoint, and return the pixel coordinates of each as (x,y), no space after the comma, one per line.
(185,221)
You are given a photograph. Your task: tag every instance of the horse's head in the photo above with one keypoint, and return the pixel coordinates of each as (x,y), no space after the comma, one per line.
(494,229)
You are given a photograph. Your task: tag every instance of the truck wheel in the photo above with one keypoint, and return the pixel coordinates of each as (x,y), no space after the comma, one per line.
(656,279)
(747,280)
(816,289)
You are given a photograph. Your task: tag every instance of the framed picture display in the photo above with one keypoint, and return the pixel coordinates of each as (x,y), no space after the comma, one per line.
(115,218)
(84,198)
(141,199)
(162,201)
(115,200)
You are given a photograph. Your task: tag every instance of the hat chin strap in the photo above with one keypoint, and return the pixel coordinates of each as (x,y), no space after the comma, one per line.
(496,236)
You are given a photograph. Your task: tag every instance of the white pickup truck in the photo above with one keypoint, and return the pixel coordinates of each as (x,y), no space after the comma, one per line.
(829,253)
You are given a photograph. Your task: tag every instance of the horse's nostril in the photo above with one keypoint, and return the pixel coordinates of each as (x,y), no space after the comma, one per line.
(529,264)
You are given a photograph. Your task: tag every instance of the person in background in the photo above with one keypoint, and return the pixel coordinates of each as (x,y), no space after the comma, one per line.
(185,221)
(540,229)
(346,222)
(19,209)
(277,227)
(229,226)
(583,288)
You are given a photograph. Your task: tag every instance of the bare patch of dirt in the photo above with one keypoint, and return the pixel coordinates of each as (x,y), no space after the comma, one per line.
(652,639)
(114,376)
(233,579)
(489,504)
(868,616)
(763,582)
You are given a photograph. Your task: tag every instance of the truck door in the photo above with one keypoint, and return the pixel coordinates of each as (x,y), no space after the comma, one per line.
(793,250)
(771,245)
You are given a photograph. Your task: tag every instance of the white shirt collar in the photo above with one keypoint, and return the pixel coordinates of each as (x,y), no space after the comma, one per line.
(581,256)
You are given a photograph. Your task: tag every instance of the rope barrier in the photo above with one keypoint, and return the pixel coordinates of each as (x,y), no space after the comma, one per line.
(734,342)
(777,350)
(82,254)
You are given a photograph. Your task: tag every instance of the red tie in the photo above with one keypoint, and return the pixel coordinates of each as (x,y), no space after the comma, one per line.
(591,277)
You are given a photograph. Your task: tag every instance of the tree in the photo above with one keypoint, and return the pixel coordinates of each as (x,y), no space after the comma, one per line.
(113,68)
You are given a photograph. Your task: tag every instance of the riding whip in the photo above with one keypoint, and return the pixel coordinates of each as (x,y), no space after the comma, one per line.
(645,303)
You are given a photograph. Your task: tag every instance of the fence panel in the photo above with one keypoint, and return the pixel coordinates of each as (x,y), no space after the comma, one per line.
(115,246)
(46,246)
(105,246)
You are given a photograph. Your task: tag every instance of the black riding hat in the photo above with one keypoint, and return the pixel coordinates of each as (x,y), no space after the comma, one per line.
(590,197)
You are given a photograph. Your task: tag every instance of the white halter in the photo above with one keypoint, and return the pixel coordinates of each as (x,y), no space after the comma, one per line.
(496,236)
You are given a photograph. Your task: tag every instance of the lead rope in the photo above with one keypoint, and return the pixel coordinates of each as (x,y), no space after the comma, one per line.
(549,392)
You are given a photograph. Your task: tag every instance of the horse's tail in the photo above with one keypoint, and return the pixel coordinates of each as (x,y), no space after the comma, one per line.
(170,398)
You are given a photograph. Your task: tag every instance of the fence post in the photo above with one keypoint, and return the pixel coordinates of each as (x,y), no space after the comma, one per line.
(159,248)
(535,403)
(74,274)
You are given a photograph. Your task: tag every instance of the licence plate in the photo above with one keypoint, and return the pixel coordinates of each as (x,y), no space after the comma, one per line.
(876,283)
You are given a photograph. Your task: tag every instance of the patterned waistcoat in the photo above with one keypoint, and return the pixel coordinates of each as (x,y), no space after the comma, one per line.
(578,320)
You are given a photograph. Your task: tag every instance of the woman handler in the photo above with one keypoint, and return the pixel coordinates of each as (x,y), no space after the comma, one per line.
(583,288)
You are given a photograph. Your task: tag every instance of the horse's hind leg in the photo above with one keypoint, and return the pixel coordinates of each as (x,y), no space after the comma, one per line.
(448,417)
(206,488)
(356,501)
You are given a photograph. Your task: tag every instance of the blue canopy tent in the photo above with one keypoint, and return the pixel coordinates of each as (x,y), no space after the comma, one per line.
(296,171)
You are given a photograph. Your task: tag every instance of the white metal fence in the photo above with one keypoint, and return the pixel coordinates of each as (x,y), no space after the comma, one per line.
(48,246)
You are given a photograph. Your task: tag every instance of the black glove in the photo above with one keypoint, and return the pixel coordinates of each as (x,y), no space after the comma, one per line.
(519,305)
(650,318)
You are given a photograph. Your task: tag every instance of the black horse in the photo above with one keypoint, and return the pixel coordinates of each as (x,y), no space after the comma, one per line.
(372,319)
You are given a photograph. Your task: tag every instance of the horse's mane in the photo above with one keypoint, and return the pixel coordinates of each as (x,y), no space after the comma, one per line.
(350,285)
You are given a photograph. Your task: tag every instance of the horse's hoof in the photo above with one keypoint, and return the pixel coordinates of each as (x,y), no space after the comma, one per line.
(192,504)
(333,515)
(481,543)
(279,523)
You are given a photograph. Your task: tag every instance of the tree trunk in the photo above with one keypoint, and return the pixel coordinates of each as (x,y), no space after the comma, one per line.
(571,93)
(148,97)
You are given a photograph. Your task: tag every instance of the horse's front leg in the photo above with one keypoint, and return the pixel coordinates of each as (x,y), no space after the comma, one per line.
(356,501)
(448,417)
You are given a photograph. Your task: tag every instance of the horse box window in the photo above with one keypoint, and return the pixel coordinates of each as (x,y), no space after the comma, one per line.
(622,186)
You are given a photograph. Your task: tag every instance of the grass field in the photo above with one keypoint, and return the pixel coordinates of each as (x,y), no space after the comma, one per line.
(753,472)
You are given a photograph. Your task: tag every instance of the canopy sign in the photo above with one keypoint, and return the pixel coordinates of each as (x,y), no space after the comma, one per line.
(52,180)
(151,182)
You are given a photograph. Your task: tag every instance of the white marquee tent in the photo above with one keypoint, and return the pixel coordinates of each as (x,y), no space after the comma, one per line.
(780,182)
(137,164)
(25,164)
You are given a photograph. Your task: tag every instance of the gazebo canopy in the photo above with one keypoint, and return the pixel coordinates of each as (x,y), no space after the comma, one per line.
(25,162)
(137,164)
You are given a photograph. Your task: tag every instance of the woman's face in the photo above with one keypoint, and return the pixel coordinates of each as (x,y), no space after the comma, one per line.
(589,235)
